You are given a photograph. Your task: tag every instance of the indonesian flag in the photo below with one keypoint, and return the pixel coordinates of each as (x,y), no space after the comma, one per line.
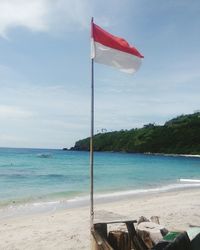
(114,51)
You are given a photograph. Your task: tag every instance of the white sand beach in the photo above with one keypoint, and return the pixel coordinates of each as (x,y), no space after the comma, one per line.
(69,229)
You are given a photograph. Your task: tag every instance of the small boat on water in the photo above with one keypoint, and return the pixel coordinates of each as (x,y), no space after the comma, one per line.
(44,155)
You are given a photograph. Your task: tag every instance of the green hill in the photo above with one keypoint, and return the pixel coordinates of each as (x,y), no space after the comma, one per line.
(180,135)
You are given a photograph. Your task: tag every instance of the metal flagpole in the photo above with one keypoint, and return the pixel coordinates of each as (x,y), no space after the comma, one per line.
(91,145)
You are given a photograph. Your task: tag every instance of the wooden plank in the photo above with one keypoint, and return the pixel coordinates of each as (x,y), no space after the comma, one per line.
(100,240)
(119,240)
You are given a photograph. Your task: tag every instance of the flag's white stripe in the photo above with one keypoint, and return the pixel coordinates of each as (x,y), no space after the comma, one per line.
(123,61)
(92,49)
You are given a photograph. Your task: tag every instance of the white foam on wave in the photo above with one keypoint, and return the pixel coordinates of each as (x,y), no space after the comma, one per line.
(52,206)
(190,180)
(145,191)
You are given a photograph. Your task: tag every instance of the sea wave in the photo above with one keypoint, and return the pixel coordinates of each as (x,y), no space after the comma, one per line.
(78,201)
(44,155)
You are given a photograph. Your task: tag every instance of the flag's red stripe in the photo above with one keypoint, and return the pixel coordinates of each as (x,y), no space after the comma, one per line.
(101,36)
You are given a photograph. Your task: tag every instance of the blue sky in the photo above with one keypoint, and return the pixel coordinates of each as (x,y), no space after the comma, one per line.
(45,68)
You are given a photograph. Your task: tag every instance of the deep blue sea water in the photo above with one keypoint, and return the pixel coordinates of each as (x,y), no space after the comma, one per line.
(47,175)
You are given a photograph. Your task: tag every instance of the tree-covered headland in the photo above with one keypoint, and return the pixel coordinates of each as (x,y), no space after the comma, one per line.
(180,135)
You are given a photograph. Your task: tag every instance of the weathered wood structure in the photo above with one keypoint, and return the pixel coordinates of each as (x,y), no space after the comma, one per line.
(116,240)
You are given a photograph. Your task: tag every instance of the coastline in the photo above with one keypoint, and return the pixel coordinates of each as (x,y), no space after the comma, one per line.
(69,228)
(47,188)
(144,153)
(61,203)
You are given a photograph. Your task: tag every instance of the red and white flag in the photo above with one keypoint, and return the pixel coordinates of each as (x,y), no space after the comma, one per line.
(114,51)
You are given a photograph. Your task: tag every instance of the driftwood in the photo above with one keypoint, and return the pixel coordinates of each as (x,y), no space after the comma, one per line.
(150,232)
(142,219)
(119,240)
(155,219)
(145,236)
(99,240)
(99,243)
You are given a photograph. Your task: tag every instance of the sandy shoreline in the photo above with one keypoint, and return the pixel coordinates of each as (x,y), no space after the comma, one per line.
(69,229)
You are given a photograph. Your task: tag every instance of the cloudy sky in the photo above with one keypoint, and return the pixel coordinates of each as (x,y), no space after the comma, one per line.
(45,68)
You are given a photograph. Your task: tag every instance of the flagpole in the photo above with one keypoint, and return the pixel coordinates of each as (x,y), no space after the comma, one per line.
(91,145)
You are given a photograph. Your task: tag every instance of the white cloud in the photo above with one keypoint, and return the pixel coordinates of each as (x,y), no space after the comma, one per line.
(55,16)
(42,116)
(28,14)
(13,112)
(5,138)
(64,14)
(43,15)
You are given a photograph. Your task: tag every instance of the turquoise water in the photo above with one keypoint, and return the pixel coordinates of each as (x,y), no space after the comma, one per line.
(32,175)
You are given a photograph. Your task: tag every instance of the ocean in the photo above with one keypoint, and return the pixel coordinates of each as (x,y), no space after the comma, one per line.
(46,179)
